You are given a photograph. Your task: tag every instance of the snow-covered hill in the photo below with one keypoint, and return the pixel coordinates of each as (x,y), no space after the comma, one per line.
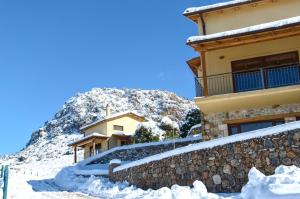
(51,140)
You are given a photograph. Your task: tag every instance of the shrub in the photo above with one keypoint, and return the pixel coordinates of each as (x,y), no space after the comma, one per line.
(143,134)
(192,118)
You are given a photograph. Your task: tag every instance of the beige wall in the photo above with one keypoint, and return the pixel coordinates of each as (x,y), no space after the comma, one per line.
(129,123)
(99,128)
(248,15)
(215,65)
(106,128)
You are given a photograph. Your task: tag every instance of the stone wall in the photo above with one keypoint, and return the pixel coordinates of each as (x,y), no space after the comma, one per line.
(213,123)
(222,168)
(133,153)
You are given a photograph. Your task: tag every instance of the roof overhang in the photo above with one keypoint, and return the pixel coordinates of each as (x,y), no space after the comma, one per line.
(87,140)
(194,13)
(250,37)
(123,136)
(194,64)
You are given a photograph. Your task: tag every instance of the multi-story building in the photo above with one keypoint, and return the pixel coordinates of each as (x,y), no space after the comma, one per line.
(247,72)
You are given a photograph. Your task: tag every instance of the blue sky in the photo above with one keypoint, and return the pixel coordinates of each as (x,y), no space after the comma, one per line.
(52,49)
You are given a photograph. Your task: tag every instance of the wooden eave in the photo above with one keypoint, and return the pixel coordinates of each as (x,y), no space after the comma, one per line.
(195,15)
(246,38)
(127,137)
(194,64)
(139,118)
(90,139)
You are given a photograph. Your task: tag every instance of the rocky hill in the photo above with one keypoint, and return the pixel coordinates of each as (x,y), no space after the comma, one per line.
(51,139)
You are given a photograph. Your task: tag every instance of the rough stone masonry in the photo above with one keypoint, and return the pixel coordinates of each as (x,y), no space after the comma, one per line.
(222,168)
(136,153)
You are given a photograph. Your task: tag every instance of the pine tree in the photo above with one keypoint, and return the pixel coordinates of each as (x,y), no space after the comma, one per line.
(143,135)
(192,118)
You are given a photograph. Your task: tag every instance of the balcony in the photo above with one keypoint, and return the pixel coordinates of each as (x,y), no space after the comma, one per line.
(250,80)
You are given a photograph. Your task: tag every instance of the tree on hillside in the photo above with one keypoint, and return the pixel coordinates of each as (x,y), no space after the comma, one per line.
(192,118)
(144,134)
(170,128)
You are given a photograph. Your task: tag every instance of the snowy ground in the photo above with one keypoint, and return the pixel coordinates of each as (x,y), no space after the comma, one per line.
(37,180)
(284,184)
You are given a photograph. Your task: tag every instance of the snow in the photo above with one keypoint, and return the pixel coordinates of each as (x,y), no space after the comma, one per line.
(35,180)
(152,126)
(115,161)
(124,133)
(111,117)
(274,24)
(167,121)
(52,138)
(103,188)
(99,170)
(217,5)
(40,180)
(87,137)
(212,143)
(284,184)
(126,147)
(193,128)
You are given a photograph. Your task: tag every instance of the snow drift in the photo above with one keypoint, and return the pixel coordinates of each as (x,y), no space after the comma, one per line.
(284,184)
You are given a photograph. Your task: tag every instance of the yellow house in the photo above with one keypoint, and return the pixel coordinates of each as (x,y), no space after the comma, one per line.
(247,72)
(112,131)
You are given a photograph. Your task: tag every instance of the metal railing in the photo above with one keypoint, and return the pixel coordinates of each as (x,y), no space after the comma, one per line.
(4,177)
(263,78)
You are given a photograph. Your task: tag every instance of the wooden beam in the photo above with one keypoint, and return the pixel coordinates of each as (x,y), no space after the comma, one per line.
(262,118)
(75,154)
(204,76)
(247,39)
(94,148)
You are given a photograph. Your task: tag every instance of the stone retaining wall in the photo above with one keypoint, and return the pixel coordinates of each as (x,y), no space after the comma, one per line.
(139,152)
(222,168)
(213,123)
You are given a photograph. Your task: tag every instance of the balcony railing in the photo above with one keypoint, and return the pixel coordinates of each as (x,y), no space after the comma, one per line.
(263,78)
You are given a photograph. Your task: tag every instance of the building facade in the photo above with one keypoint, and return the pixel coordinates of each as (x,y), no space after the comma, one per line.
(247,74)
(112,131)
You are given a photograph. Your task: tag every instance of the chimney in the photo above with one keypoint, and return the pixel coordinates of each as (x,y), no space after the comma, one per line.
(108,111)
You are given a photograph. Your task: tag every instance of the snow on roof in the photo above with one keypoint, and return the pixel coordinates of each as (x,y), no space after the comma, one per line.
(215,6)
(124,133)
(115,161)
(87,137)
(213,143)
(93,158)
(111,117)
(260,27)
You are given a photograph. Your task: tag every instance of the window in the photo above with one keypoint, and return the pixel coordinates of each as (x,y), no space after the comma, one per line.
(252,126)
(124,142)
(297,118)
(118,128)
